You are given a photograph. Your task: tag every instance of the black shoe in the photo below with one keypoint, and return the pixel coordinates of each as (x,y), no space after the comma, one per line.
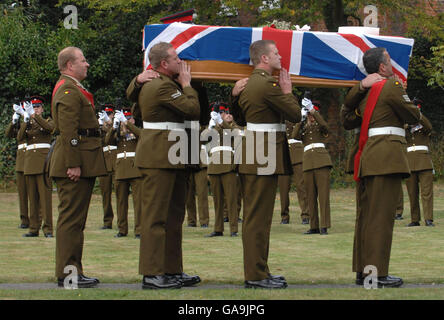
(277,278)
(214,234)
(187,281)
(234,234)
(106,227)
(160,282)
(137,236)
(23,226)
(30,234)
(120,235)
(359,278)
(226,219)
(399,216)
(413,224)
(305,221)
(192,225)
(429,223)
(285,221)
(49,235)
(205,225)
(265,284)
(389,282)
(311,231)
(82,282)
(324,231)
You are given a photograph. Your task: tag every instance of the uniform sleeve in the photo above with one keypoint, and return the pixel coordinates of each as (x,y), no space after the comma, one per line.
(400,103)
(11,130)
(47,125)
(296,134)
(22,132)
(133,90)
(354,97)
(110,137)
(426,124)
(322,123)
(349,119)
(285,104)
(133,129)
(236,111)
(186,104)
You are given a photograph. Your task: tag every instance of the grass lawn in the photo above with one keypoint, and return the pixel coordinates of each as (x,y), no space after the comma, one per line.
(417,256)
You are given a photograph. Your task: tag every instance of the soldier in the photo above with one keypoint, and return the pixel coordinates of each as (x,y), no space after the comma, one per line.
(316,164)
(400,205)
(222,169)
(165,103)
(125,135)
(76,161)
(38,135)
(284,181)
(12,132)
(265,103)
(109,151)
(421,167)
(380,163)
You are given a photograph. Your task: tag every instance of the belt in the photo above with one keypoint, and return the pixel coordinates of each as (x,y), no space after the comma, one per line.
(417,148)
(38,146)
(93,132)
(21,146)
(164,125)
(221,148)
(264,127)
(313,145)
(291,141)
(126,155)
(386,130)
(109,148)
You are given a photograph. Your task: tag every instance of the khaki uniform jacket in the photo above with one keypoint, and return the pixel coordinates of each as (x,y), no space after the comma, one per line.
(419,159)
(262,101)
(316,133)
(38,130)
(71,111)
(163,100)
(351,121)
(12,132)
(127,142)
(110,155)
(385,154)
(296,146)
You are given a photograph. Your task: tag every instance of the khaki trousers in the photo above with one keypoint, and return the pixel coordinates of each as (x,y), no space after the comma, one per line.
(420,180)
(317,184)
(74,199)
(378,202)
(198,186)
(163,211)
(40,204)
(122,194)
(106,189)
(259,196)
(23,197)
(400,205)
(224,189)
(357,265)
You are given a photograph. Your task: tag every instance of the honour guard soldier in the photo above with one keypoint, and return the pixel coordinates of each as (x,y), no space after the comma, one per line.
(38,135)
(125,135)
(12,132)
(76,161)
(421,167)
(316,164)
(265,104)
(106,117)
(381,162)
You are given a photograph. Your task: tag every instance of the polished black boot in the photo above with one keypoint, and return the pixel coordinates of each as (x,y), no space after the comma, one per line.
(160,282)
(186,280)
(312,231)
(265,284)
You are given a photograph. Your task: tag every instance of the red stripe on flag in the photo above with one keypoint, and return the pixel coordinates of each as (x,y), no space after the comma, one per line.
(356,41)
(183,37)
(283,39)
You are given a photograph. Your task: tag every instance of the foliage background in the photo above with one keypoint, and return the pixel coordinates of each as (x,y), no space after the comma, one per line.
(110,34)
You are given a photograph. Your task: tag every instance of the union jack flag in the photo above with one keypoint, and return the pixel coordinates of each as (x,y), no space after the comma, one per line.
(327,55)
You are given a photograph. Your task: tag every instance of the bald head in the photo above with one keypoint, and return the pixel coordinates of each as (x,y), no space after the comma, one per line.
(72,62)
(65,55)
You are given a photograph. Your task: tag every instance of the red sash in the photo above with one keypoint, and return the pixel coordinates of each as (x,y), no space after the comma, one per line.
(88,95)
(57,86)
(373,96)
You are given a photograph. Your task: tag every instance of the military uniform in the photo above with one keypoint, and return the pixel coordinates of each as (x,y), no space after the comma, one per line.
(164,106)
(127,175)
(78,144)
(38,135)
(264,108)
(382,165)
(297,178)
(12,132)
(316,165)
(421,167)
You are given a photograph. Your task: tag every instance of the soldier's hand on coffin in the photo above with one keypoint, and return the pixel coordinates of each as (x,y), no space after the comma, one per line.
(370,80)
(18,109)
(146,76)
(239,87)
(285,81)
(184,77)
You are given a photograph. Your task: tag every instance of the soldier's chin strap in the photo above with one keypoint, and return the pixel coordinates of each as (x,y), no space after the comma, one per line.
(373,97)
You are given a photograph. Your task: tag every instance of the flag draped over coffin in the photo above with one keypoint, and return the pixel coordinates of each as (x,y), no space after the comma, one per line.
(328,55)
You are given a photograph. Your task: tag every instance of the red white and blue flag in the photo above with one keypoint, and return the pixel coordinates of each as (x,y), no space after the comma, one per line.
(327,55)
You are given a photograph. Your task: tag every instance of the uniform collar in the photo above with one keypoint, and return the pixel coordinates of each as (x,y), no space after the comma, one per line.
(77,82)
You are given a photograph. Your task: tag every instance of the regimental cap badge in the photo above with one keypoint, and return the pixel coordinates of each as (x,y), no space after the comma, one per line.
(74,142)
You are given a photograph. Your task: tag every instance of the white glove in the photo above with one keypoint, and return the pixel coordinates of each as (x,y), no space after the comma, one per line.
(211,124)
(100,122)
(15,118)
(116,123)
(120,116)
(307,104)
(304,113)
(103,117)
(18,109)
(26,117)
(29,108)
(214,114)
